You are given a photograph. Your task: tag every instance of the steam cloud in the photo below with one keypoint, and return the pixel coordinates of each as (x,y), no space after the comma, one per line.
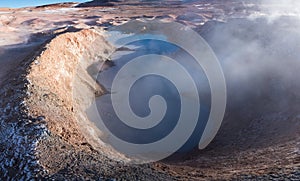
(261,62)
(260,59)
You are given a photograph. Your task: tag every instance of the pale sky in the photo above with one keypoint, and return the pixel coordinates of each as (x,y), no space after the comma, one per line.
(25,3)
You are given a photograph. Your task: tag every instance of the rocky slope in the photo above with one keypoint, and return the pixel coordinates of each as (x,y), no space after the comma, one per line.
(44,130)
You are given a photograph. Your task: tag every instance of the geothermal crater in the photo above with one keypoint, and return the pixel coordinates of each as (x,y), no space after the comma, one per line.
(57,62)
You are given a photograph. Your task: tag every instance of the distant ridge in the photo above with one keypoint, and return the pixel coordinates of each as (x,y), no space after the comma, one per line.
(98,3)
(62,5)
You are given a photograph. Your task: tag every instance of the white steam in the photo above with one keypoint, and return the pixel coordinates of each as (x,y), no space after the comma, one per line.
(273,9)
(260,57)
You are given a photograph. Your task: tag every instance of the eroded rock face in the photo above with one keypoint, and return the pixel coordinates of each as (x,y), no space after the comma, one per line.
(52,75)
